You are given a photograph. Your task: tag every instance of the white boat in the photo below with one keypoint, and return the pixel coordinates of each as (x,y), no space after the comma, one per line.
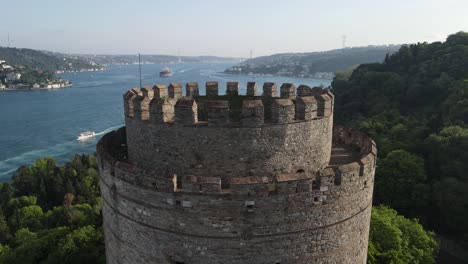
(86,135)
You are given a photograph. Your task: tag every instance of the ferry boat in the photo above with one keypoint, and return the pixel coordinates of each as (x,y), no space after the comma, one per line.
(165,72)
(86,135)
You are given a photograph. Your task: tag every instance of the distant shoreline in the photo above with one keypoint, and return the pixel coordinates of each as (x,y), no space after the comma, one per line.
(82,70)
(30,88)
(168,63)
(276,75)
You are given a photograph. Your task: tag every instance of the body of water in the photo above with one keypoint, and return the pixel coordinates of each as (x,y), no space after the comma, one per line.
(40,123)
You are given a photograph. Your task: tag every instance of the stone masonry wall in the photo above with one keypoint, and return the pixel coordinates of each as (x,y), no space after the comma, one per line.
(229,148)
(235,213)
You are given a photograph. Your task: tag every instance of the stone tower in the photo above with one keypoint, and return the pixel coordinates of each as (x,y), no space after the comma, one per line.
(235,178)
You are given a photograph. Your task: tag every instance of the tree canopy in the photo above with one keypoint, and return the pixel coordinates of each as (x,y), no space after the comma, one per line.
(415,105)
(394,239)
(52,214)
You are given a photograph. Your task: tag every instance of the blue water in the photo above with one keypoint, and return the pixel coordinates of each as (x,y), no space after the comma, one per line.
(41,123)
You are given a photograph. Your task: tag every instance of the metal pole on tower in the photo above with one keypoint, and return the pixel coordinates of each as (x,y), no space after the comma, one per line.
(344,41)
(139,66)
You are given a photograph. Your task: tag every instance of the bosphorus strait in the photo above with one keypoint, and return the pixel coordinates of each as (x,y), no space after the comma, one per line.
(41,123)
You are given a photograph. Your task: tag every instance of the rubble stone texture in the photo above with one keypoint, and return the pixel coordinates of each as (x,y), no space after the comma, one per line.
(235,178)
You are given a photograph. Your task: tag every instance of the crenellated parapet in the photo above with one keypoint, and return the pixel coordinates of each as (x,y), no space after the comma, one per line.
(129,98)
(167,105)
(355,138)
(329,182)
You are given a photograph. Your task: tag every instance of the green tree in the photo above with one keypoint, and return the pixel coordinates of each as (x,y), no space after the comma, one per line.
(84,244)
(6,193)
(30,217)
(30,247)
(5,235)
(401,182)
(394,239)
(451,200)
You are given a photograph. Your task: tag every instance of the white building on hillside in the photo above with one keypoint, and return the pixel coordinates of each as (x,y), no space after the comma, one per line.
(13,76)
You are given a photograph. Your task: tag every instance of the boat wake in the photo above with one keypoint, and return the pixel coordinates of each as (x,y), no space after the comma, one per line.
(107,130)
(61,152)
(214,76)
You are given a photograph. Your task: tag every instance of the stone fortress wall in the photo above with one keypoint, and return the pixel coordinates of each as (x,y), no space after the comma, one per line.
(228,136)
(235,179)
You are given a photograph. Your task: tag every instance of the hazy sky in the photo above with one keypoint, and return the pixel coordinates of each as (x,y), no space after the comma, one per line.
(224,28)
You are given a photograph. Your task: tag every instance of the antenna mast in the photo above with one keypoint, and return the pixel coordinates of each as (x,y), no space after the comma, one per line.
(343,38)
(251,54)
(8,39)
(139,66)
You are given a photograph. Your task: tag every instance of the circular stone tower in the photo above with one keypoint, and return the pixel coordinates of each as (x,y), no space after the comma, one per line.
(235,178)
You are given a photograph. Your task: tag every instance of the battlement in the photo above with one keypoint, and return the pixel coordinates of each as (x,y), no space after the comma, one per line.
(167,105)
(350,176)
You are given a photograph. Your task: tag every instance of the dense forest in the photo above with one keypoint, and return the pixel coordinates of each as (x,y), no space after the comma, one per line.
(415,105)
(52,214)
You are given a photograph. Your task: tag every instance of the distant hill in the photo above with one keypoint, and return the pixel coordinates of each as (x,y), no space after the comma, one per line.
(313,64)
(133,59)
(44,60)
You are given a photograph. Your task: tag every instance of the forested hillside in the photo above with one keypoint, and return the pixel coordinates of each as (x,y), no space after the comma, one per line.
(307,64)
(46,61)
(150,59)
(415,104)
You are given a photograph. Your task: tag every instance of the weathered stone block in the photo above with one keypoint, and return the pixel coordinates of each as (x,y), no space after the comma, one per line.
(160,91)
(175,90)
(185,111)
(282,111)
(304,90)
(147,92)
(232,88)
(252,113)
(306,108)
(211,88)
(270,89)
(287,90)
(191,89)
(252,89)
(218,112)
